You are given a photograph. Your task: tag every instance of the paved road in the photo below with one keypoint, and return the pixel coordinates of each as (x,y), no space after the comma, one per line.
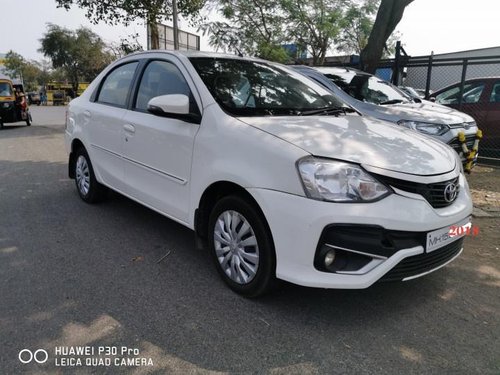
(73,274)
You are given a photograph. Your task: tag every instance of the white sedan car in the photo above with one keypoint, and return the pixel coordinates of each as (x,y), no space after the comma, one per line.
(277,177)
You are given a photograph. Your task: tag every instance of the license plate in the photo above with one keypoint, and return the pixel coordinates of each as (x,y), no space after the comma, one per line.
(442,237)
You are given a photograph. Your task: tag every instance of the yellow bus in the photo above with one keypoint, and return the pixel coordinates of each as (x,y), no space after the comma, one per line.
(60,92)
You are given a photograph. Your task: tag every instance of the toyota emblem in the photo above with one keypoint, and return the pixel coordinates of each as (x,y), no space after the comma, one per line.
(450,192)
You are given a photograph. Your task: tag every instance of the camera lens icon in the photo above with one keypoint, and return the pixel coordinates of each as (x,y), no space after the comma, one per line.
(39,356)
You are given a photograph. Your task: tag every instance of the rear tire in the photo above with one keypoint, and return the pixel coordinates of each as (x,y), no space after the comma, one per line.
(89,189)
(241,246)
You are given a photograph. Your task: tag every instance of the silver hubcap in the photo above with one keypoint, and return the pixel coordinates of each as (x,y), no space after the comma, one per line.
(82,175)
(236,247)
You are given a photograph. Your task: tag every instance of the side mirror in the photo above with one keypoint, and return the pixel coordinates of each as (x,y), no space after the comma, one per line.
(173,106)
(432,99)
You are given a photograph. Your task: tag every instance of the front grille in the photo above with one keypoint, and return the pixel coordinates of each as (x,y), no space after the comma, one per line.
(418,264)
(433,193)
(457,146)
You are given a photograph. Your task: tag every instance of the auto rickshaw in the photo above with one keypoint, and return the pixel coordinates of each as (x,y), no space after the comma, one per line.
(13,103)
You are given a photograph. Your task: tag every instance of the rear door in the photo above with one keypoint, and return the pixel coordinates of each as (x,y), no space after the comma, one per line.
(158,150)
(104,121)
(490,145)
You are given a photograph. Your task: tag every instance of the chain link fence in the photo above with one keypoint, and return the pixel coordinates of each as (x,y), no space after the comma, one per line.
(468,84)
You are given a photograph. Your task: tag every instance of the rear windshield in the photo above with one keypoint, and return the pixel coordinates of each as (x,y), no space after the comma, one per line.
(367,88)
(255,88)
(5,89)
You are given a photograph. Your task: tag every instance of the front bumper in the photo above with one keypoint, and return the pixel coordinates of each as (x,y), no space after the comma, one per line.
(297,224)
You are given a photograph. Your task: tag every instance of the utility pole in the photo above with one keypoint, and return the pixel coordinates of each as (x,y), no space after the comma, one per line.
(176,29)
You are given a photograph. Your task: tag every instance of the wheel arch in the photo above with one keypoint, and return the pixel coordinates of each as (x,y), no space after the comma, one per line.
(212,195)
(75,145)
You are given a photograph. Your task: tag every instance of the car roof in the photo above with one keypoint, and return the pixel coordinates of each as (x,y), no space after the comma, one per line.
(193,53)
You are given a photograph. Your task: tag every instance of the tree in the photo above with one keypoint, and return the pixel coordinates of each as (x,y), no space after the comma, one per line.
(261,28)
(16,66)
(126,46)
(389,14)
(81,54)
(314,24)
(253,27)
(126,11)
(356,26)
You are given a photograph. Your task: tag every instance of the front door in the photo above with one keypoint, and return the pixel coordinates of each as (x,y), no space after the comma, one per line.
(158,150)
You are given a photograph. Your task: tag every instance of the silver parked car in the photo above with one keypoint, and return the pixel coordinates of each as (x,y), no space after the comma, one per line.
(372,96)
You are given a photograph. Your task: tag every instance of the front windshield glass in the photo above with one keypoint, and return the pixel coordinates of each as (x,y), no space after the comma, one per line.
(366,88)
(254,88)
(5,89)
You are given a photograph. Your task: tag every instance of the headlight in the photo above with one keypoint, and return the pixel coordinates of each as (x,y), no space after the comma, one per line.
(425,127)
(337,181)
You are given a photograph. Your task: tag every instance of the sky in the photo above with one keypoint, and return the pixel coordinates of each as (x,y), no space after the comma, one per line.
(427,25)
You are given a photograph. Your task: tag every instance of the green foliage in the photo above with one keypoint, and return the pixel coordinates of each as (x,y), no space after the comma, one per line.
(81,53)
(116,12)
(356,26)
(260,28)
(16,66)
(314,24)
(253,27)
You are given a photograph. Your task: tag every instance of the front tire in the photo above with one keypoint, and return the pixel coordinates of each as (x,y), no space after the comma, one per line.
(28,119)
(87,186)
(242,247)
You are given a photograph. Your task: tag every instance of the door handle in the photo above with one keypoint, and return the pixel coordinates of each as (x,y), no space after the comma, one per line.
(129,128)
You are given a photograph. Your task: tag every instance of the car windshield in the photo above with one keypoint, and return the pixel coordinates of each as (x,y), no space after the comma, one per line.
(255,88)
(366,88)
(410,91)
(5,89)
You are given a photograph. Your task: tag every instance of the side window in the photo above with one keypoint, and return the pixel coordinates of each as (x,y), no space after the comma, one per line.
(116,85)
(160,78)
(495,93)
(472,93)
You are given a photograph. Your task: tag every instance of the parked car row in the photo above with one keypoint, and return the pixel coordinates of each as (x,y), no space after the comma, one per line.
(280,176)
(375,97)
(481,100)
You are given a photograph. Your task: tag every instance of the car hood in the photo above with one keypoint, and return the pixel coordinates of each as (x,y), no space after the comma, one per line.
(425,112)
(362,140)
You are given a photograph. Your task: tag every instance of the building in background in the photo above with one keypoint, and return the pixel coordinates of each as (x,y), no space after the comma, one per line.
(187,41)
(450,72)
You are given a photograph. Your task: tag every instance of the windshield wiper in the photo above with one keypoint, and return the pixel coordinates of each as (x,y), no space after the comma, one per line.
(392,101)
(326,111)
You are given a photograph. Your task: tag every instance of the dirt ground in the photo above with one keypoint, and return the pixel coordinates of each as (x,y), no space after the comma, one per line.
(484,249)
(485,188)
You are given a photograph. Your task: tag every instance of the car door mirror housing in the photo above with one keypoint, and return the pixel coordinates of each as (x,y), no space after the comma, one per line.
(173,106)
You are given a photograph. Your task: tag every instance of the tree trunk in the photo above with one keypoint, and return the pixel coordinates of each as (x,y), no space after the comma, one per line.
(389,14)
(153,29)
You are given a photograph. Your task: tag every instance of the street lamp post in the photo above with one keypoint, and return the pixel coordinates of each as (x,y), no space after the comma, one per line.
(176,29)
